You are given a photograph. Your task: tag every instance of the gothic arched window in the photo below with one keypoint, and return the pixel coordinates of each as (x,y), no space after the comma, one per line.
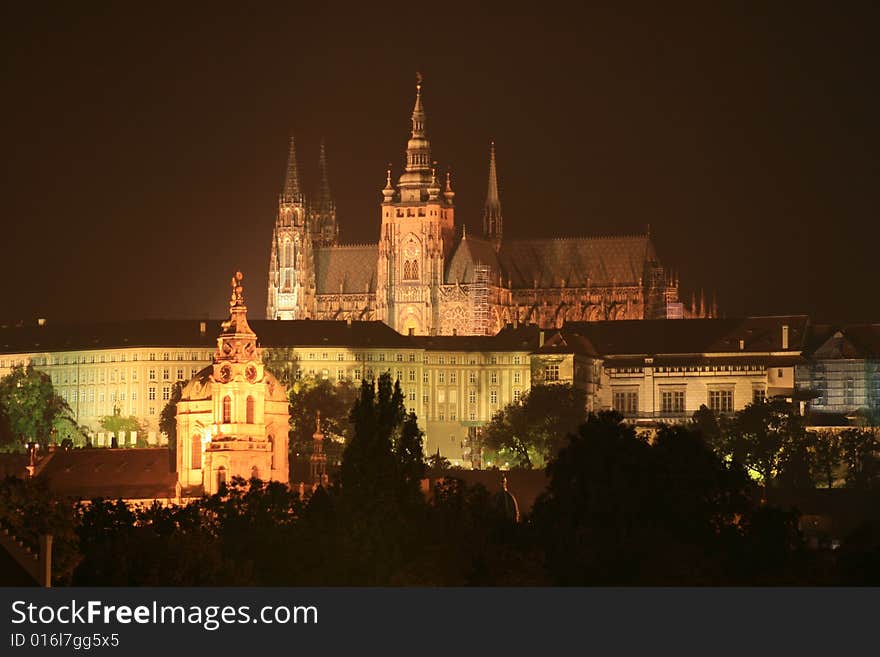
(255,473)
(227,409)
(221,477)
(196,452)
(287,261)
(410,270)
(250,410)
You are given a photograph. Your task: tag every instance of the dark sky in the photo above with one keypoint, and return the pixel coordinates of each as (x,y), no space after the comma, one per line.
(145,147)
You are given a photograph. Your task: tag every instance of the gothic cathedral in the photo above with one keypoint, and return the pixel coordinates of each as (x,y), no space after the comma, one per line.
(425,276)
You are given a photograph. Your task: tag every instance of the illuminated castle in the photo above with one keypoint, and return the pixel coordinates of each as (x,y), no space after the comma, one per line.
(426,277)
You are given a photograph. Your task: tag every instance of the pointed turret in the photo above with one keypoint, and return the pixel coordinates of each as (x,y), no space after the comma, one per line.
(323,214)
(325,200)
(434,187)
(388,190)
(492,222)
(448,194)
(292,194)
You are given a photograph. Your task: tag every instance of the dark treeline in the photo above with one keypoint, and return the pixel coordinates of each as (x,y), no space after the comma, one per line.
(618,510)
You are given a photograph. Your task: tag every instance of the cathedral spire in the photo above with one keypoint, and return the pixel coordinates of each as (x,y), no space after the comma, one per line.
(417,175)
(324,198)
(418,115)
(492,222)
(292,192)
(323,214)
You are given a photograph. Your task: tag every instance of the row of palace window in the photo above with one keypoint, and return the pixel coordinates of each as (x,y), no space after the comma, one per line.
(440,359)
(71,396)
(411,375)
(673,401)
(88,359)
(114,375)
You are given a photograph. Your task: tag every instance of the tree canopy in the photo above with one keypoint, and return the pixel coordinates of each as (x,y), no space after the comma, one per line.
(29,408)
(530,432)
(333,401)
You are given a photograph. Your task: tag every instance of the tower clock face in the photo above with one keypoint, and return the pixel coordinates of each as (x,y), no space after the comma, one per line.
(411,251)
(225,373)
(250,372)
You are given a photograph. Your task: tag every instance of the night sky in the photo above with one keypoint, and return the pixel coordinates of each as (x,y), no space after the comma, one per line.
(144,147)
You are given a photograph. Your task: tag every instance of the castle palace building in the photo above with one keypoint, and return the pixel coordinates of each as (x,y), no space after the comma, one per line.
(425,276)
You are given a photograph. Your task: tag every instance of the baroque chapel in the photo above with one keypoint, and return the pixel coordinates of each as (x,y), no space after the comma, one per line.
(232,417)
(425,276)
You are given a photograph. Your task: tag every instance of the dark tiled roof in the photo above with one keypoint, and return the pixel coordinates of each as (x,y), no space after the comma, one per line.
(186,333)
(604,260)
(346,268)
(853,341)
(112,473)
(523,338)
(568,343)
(691,336)
(104,335)
(327,332)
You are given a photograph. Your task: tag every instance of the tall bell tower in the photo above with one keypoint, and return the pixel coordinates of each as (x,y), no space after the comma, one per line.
(418,228)
(291,293)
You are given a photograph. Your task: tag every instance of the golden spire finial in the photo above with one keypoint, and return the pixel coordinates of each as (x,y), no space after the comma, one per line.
(418,82)
(318,421)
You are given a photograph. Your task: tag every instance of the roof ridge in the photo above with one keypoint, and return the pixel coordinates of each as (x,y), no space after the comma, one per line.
(577,238)
(351,245)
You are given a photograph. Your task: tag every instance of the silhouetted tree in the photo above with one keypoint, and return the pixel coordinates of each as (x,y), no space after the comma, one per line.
(618,510)
(28,509)
(760,436)
(860,454)
(334,402)
(828,456)
(168,421)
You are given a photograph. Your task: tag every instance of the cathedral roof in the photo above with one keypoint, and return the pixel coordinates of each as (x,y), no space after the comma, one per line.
(347,268)
(549,262)
(472,251)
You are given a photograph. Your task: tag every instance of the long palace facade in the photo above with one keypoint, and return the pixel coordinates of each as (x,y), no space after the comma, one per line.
(651,371)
